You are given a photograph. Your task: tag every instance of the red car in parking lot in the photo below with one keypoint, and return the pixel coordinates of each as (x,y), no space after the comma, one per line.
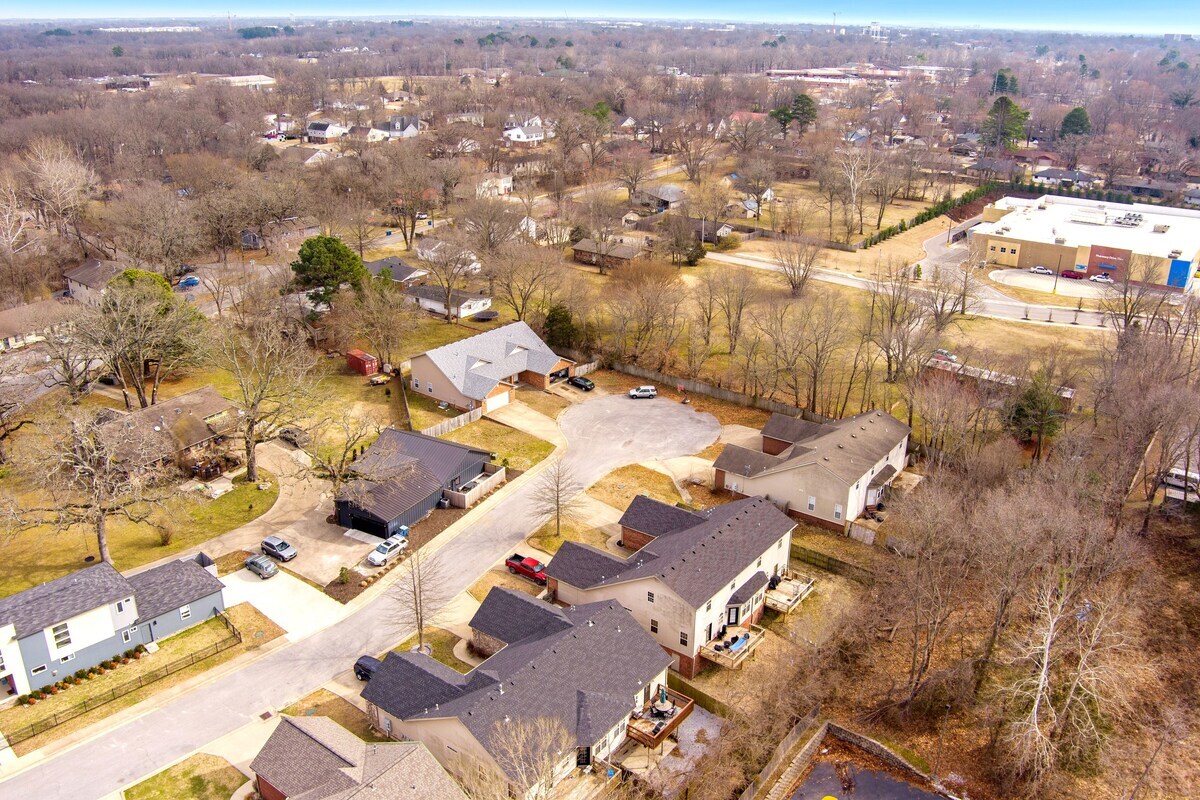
(1071,274)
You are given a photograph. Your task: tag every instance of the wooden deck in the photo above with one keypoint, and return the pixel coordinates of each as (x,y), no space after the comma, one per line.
(651,731)
(790,593)
(733,658)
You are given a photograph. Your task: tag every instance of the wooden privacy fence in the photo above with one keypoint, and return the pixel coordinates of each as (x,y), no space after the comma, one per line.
(831,564)
(120,690)
(454,423)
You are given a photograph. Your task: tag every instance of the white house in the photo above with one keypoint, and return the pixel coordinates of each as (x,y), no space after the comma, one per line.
(696,579)
(86,282)
(826,473)
(485,184)
(430,248)
(323,132)
(462,304)
(531,136)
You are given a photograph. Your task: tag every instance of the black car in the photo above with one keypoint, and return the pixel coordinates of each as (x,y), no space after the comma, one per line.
(580,382)
(364,668)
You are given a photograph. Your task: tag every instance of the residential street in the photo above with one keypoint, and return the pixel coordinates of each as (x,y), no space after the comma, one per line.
(604,433)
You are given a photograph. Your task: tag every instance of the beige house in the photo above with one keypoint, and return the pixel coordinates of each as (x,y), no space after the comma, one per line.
(696,581)
(484,370)
(589,669)
(826,473)
(86,282)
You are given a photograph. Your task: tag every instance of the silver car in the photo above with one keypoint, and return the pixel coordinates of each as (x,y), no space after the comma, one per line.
(276,547)
(262,566)
(388,549)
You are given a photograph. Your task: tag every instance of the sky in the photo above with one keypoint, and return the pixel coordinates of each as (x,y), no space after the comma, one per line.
(1119,16)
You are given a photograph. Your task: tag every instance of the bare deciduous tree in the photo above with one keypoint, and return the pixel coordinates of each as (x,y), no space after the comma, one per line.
(557,494)
(797,258)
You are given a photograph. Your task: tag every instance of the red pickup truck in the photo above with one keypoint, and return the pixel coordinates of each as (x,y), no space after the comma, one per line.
(529,567)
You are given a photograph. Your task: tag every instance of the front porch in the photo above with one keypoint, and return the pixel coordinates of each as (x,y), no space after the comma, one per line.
(734,647)
(660,717)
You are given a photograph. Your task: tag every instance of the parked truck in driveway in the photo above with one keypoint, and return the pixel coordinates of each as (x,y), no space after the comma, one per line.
(529,567)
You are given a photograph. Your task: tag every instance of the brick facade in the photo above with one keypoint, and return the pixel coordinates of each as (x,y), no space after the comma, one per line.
(774,447)
(485,645)
(266,790)
(634,540)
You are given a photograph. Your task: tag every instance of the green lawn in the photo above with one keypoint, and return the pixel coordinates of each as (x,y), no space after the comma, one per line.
(442,641)
(425,411)
(618,488)
(544,402)
(512,447)
(546,540)
(324,703)
(37,555)
(200,777)
(256,631)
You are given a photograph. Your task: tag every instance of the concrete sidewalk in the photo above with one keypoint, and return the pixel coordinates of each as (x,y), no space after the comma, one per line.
(520,416)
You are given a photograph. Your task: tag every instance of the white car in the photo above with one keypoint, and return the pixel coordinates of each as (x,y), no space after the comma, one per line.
(1040,270)
(643,392)
(388,549)
(1101,278)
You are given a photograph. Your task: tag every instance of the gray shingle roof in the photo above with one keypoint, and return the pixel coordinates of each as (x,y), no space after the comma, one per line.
(694,562)
(848,448)
(622,251)
(789,429)
(170,586)
(401,271)
(510,615)
(458,298)
(94,273)
(33,317)
(655,518)
(38,608)
(314,758)
(744,592)
(584,673)
(402,468)
(476,365)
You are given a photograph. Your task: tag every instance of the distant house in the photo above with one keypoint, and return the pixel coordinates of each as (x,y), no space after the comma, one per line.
(251,240)
(188,429)
(826,473)
(402,127)
(530,136)
(709,232)
(1192,197)
(79,620)
(462,303)
(307,758)
(996,168)
(324,132)
(611,256)
(430,248)
(485,184)
(367,134)
(1146,187)
(485,369)
(304,156)
(252,82)
(403,475)
(1037,159)
(694,580)
(400,270)
(660,198)
(86,282)
(589,668)
(1065,177)
(34,322)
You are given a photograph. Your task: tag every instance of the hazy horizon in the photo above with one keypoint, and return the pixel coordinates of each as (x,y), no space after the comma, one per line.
(1103,16)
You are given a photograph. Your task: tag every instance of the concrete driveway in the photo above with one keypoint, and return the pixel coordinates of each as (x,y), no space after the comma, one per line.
(288,601)
(604,434)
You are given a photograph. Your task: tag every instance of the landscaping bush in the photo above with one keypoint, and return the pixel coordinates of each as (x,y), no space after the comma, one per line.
(344,576)
(81,673)
(726,243)
(23,700)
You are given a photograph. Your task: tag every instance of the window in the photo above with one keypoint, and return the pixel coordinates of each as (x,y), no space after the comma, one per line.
(779,545)
(66,658)
(654,626)
(649,597)
(185,612)
(387,725)
(992,248)
(1003,249)
(837,511)
(38,670)
(2,662)
(62,636)
(120,606)
(126,636)
(812,503)
(709,606)
(683,638)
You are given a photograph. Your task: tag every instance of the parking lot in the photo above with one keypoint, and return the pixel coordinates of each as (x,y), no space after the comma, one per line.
(1024,279)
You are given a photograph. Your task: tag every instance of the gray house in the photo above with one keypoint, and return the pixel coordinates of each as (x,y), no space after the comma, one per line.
(403,476)
(77,621)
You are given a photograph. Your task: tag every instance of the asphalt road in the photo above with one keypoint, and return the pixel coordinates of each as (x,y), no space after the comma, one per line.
(989,303)
(603,433)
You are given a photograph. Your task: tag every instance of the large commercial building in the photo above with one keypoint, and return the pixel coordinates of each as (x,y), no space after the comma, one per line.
(1093,237)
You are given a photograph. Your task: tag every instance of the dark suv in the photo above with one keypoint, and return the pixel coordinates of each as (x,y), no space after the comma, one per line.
(365,667)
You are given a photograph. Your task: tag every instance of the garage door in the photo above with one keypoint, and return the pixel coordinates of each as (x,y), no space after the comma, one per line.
(560,375)
(371,526)
(492,403)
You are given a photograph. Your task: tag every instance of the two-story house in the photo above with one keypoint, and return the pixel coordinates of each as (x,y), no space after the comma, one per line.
(696,580)
(86,283)
(826,473)
(525,136)
(590,669)
(77,621)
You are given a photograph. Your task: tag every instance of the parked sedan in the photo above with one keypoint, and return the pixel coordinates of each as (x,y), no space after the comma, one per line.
(1040,270)
(1101,278)
(275,547)
(262,566)
(189,282)
(388,549)
(580,382)
(1071,274)
(944,355)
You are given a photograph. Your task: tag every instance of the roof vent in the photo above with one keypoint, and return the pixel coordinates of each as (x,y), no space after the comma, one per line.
(841,447)
(590,623)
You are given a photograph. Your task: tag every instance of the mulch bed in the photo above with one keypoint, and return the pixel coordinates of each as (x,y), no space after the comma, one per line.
(345,592)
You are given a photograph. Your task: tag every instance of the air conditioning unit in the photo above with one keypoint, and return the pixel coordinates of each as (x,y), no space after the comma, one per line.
(1060,240)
